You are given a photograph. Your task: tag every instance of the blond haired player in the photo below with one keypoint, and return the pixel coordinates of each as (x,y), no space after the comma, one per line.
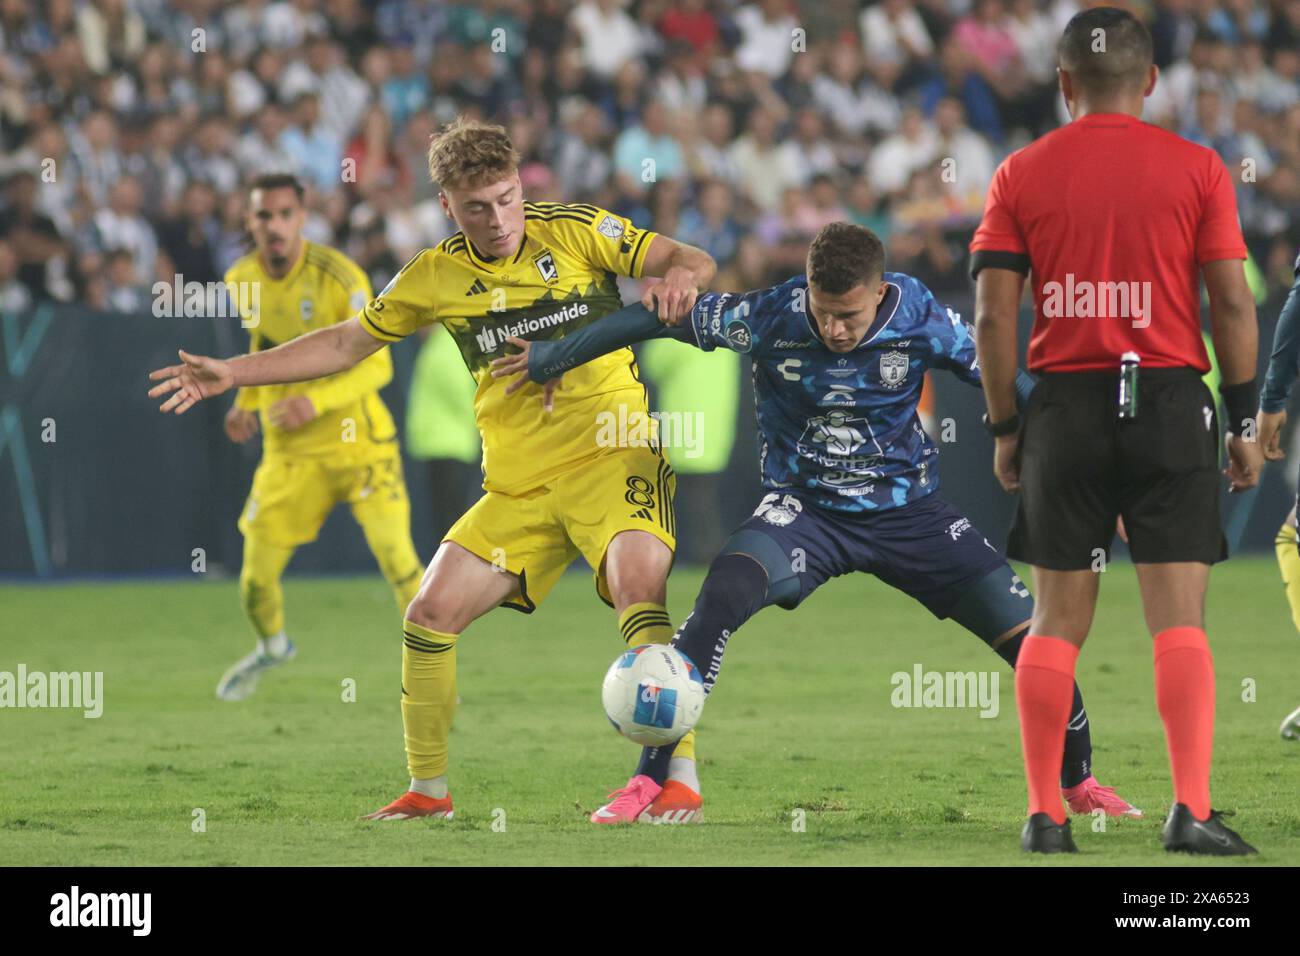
(531,270)
(326,441)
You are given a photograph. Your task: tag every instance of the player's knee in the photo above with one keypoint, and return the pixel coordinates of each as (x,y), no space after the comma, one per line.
(435,608)
(636,569)
(735,587)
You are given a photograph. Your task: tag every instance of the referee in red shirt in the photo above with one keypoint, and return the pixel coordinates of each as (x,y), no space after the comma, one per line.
(1115,220)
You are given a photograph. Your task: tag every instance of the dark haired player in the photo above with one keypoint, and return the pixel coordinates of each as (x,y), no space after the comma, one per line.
(1128,216)
(838,360)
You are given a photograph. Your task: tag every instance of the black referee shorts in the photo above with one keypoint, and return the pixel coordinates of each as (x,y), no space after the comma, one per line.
(1081,467)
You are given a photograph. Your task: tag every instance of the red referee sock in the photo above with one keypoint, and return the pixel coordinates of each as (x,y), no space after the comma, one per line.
(1044,690)
(1185,699)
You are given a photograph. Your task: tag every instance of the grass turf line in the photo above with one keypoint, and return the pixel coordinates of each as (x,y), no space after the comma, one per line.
(801,721)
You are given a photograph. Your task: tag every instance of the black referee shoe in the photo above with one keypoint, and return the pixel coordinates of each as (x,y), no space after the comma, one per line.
(1042,834)
(1184,833)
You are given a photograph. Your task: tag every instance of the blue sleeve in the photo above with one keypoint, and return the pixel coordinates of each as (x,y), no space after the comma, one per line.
(740,320)
(548,358)
(1282,364)
(953,344)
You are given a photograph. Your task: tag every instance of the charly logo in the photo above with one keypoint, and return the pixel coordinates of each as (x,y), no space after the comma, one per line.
(893,369)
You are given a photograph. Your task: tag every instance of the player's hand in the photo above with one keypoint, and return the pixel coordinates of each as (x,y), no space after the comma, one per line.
(1245,462)
(199,377)
(1270,434)
(1121,530)
(1006,461)
(672,297)
(292,412)
(516,364)
(241,425)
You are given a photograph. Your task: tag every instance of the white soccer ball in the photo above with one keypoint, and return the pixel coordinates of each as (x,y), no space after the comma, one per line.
(653,694)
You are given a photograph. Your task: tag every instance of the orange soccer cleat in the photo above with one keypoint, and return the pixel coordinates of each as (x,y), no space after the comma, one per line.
(411,805)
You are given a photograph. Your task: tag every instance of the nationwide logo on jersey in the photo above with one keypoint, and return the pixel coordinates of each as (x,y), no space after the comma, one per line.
(478,288)
(893,369)
(545,263)
(739,336)
(305,309)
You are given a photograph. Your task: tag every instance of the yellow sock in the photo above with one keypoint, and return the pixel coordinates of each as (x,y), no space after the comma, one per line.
(428,697)
(259,585)
(1288,559)
(648,623)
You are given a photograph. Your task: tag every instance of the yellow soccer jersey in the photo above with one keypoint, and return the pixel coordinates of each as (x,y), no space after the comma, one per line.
(324,287)
(561,279)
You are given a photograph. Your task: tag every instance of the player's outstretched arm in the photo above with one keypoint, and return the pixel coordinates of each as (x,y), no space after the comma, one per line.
(542,361)
(307,357)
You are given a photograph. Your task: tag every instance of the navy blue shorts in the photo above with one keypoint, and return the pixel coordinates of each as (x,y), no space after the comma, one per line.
(927,549)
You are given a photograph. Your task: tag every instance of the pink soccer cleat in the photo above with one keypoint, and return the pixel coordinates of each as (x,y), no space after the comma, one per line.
(628,803)
(1091,795)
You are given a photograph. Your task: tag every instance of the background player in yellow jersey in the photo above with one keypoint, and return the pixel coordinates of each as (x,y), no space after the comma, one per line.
(325,442)
(553,490)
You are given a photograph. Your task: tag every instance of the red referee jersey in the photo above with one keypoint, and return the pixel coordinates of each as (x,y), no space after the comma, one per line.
(1113,218)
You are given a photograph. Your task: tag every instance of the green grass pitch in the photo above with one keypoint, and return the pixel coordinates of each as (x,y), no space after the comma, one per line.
(801,726)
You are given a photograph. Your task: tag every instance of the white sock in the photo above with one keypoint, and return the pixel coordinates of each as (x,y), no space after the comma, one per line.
(682,769)
(435,787)
(277,645)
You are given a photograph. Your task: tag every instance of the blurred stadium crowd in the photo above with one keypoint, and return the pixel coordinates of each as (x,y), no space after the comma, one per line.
(126,126)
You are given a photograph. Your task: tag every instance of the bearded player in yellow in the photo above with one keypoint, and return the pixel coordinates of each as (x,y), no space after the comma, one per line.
(326,441)
(553,490)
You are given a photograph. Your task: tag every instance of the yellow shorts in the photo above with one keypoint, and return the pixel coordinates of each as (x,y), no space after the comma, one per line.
(292,495)
(536,536)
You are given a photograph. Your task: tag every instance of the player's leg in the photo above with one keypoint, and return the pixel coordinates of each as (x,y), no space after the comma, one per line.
(1288,560)
(503,551)
(998,609)
(1173,598)
(377,496)
(1065,520)
(754,568)
(286,507)
(1170,503)
(618,511)
(262,597)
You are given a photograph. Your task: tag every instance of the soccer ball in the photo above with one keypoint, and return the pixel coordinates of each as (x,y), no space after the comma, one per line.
(653,694)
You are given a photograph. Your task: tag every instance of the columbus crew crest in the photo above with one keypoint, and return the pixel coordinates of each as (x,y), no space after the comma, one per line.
(545,263)
(893,369)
